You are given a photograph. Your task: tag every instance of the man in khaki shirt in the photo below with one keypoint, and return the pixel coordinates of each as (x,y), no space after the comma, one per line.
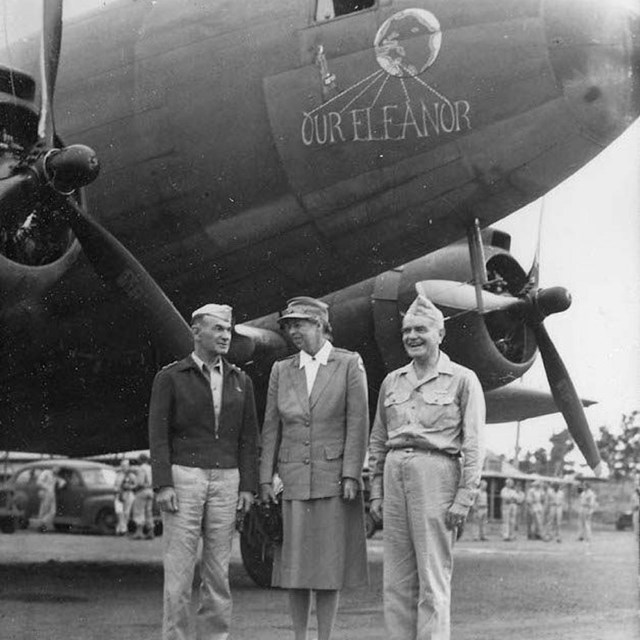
(425,460)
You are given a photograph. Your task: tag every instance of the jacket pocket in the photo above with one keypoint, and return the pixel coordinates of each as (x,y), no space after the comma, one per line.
(333,451)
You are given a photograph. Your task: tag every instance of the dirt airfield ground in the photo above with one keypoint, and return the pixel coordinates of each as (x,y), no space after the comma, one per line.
(80,587)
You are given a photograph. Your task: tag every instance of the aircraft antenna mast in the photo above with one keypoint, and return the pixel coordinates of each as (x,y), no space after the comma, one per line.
(478,262)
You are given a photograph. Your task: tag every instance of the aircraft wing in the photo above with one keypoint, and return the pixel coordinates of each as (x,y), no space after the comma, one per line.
(515,402)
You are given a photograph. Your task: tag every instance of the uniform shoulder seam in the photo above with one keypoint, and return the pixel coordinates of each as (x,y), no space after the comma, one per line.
(341,350)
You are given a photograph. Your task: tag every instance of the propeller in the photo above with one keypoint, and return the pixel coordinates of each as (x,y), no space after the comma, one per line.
(51,175)
(118,267)
(531,307)
(49,58)
(48,168)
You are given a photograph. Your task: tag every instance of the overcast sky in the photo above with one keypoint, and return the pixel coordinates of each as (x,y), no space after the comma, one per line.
(590,244)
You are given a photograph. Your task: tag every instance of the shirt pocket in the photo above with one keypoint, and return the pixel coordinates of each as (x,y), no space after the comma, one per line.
(396,407)
(438,409)
(395,398)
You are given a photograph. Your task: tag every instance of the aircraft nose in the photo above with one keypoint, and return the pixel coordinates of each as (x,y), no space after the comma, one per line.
(594,50)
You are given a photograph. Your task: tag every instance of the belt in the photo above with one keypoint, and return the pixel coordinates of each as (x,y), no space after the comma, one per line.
(433,452)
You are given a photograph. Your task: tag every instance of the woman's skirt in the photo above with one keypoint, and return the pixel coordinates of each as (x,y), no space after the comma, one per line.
(324,545)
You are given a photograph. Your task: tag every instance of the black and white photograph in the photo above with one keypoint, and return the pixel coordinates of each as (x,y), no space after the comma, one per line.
(319,319)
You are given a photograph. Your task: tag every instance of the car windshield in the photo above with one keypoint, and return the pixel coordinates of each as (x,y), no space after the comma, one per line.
(99,477)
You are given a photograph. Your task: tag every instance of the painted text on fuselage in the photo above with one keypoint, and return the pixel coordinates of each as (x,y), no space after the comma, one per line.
(390,122)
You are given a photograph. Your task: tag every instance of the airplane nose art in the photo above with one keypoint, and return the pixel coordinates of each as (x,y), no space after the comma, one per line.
(473,104)
(594,50)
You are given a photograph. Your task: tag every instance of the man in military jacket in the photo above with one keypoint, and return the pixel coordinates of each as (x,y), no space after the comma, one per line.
(203,436)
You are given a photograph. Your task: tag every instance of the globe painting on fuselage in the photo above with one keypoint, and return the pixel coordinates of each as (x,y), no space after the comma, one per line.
(394,103)
(408,43)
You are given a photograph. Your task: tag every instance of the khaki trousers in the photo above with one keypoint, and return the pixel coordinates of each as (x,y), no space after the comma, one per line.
(481,521)
(419,487)
(207,500)
(509,519)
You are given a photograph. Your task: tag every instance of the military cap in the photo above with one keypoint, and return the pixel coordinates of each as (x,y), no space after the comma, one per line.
(305,308)
(220,311)
(423,307)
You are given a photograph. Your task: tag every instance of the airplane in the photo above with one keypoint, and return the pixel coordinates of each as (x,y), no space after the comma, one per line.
(252,151)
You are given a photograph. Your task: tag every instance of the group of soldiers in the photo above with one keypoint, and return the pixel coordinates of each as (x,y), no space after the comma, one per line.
(134,498)
(542,505)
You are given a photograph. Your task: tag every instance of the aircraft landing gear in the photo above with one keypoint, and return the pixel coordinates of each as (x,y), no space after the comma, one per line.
(260,534)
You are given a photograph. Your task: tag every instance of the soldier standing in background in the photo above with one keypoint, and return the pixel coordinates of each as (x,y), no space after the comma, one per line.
(587,507)
(509,509)
(481,512)
(143,500)
(535,511)
(555,497)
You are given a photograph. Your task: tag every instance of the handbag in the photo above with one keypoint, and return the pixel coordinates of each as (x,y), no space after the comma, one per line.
(263,523)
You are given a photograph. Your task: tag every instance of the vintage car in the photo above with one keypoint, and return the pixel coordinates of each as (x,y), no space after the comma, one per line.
(85,499)
(624,520)
(10,514)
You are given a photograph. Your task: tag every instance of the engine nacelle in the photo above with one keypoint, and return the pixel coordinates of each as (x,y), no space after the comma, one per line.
(36,246)
(368,316)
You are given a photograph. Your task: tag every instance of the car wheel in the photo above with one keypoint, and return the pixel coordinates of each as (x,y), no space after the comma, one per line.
(63,528)
(8,525)
(106,522)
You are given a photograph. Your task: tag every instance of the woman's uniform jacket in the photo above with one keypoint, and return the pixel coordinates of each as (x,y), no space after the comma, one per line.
(315,441)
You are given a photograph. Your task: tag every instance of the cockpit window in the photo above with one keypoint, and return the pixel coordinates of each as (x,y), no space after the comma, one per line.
(329,9)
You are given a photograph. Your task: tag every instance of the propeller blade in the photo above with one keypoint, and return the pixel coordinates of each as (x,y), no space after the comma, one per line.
(49,58)
(15,189)
(117,267)
(566,397)
(462,296)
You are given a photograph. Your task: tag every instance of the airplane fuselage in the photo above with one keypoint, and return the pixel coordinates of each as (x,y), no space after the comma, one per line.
(252,151)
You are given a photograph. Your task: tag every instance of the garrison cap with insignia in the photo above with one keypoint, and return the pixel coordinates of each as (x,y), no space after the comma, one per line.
(305,308)
(423,307)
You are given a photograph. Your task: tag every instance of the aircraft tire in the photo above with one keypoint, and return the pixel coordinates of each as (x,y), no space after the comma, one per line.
(257,548)
(257,560)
